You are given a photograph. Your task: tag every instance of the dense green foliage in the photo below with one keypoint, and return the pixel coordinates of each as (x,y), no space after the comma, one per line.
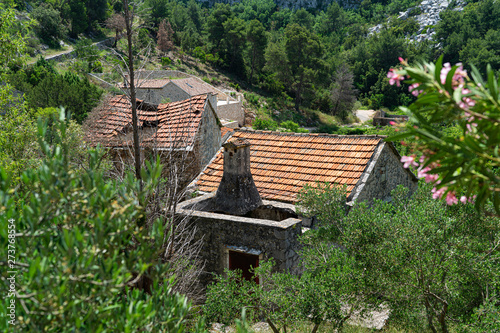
(44,87)
(430,262)
(79,254)
(433,265)
(296,52)
(283,299)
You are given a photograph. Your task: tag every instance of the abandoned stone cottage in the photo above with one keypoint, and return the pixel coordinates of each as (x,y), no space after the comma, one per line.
(156,86)
(246,212)
(186,132)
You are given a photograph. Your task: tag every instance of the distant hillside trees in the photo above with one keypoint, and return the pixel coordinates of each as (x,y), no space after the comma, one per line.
(343,93)
(44,87)
(49,27)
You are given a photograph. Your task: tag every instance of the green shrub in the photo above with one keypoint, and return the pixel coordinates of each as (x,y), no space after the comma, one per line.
(252,98)
(265,124)
(165,61)
(291,126)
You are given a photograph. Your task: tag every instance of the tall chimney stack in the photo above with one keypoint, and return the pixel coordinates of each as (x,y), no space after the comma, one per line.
(237,193)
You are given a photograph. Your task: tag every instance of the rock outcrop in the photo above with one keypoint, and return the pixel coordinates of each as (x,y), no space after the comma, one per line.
(427,19)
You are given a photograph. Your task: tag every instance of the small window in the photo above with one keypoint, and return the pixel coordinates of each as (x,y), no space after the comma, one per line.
(244,262)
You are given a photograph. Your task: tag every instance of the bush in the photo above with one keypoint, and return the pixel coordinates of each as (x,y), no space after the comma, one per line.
(82,249)
(291,126)
(166,61)
(265,124)
(252,98)
(77,95)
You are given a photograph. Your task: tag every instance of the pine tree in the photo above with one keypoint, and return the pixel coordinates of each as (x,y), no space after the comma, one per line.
(165,34)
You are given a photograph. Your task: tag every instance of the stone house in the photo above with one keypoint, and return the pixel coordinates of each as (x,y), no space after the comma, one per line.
(158,90)
(238,231)
(187,132)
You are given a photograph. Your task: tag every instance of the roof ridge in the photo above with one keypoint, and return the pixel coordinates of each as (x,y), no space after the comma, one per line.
(311,134)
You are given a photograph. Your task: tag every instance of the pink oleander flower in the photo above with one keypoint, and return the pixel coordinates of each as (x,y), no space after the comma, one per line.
(464,199)
(466,103)
(413,89)
(392,123)
(469,127)
(422,173)
(431,177)
(438,193)
(444,72)
(408,160)
(422,159)
(460,74)
(451,199)
(395,78)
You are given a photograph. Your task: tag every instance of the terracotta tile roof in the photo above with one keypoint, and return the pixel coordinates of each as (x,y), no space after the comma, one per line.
(224,130)
(194,86)
(282,163)
(149,83)
(172,125)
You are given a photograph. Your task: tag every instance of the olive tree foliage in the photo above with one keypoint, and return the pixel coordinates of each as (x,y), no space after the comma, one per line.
(283,299)
(79,251)
(433,264)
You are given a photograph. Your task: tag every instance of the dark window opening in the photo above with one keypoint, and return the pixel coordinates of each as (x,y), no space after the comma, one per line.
(243,262)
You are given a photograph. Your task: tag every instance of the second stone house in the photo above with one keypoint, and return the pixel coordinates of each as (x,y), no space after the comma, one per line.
(185,134)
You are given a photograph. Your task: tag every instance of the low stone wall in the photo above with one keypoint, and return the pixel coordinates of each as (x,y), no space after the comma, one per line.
(72,54)
(384,119)
(221,232)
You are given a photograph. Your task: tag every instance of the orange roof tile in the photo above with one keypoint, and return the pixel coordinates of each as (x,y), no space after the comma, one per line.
(282,163)
(173,125)
(224,130)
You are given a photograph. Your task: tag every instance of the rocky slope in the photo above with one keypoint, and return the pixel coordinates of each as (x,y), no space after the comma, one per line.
(428,17)
(295,4)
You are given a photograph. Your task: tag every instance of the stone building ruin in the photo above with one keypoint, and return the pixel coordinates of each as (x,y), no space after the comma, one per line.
(246,210)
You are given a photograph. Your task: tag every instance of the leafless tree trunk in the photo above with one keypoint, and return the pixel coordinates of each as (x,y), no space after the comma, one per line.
(179,247)
(129,20)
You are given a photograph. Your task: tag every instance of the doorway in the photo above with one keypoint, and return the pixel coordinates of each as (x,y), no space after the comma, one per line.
(244,261)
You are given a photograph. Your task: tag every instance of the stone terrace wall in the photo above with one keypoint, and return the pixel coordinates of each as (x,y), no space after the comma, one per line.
(383,119)
(273,239)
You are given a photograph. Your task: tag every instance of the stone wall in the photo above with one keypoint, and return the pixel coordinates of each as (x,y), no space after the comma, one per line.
(382,118)
(232,111)
(221,232)
(382,175)
(209,134)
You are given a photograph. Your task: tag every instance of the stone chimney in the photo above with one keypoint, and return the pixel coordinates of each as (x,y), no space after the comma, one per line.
(237,193)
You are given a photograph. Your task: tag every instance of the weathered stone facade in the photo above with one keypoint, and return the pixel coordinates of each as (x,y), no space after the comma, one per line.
(382,175)
(208,138)
(221,233)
